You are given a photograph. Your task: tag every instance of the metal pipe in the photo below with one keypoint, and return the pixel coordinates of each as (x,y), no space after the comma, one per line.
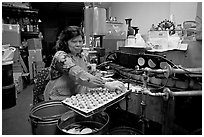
(188,93)
(187,70)
(148,92)
(169,71)
(180,93)
(159,71)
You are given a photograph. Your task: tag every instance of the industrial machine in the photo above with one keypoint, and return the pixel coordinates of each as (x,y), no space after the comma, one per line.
(166,94)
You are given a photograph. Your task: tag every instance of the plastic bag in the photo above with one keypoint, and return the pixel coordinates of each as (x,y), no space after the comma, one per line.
(7,53)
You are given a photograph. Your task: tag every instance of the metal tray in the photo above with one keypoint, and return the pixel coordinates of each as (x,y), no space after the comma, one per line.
(96,100)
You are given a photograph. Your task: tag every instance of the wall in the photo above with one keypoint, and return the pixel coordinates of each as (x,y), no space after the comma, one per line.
(144,14)
(183,11)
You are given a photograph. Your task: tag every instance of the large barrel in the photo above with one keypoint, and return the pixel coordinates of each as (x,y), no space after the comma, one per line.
(44,117)
(7,73)
(8,96)
(74,124)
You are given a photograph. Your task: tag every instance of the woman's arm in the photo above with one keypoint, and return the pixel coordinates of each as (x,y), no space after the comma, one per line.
(63,63)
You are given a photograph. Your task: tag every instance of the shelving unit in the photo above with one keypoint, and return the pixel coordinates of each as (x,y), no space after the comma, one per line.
(27,18)
(19,13)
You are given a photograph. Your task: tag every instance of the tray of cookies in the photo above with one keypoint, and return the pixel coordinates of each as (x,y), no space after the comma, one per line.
(97,99)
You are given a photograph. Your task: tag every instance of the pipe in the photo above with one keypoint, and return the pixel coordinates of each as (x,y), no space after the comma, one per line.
(168,92)
(188,93)
(146,91)
(159,71)
(177,71)
(187,70)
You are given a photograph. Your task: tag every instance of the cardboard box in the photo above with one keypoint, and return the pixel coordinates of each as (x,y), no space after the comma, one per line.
(34,43)
(11,34)
(159,39)
(35,55)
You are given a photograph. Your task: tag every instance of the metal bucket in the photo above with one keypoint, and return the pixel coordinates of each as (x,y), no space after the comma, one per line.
(44,117)
(97,123)
(124,131)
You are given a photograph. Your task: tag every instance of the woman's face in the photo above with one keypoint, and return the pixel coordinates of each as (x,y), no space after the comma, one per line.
(75,44)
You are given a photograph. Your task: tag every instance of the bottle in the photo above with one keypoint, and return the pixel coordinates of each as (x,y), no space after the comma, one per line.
(37,28)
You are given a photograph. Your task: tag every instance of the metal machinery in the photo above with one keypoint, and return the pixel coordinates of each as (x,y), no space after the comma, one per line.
(101,34)
(171,95)
(94,27)
(166,98)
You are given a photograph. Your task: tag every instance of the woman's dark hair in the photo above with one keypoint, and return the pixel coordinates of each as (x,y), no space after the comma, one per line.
(67,34)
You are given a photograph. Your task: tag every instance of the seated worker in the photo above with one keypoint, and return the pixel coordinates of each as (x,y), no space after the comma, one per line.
(69,72)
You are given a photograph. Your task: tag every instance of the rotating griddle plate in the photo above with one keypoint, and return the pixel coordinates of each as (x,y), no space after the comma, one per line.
(97,99)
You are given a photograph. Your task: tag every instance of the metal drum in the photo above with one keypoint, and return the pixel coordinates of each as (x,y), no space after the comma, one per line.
(44,117)
(74,124)
(7,73)
(8,96)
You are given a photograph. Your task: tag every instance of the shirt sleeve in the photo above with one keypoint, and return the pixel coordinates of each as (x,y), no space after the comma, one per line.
(63,62)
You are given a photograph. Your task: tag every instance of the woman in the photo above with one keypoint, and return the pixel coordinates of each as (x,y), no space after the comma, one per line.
(69,68)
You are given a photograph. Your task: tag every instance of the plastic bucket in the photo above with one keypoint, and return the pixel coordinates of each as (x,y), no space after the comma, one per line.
(97,123)
(44,117)
(8,96)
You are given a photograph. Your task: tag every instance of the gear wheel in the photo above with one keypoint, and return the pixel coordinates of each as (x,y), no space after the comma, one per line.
(167,25)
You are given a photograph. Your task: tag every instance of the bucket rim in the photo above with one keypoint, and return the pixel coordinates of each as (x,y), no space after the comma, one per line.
(45,104)
(7,62)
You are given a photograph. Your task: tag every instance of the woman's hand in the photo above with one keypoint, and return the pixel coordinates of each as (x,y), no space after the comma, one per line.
(115,85)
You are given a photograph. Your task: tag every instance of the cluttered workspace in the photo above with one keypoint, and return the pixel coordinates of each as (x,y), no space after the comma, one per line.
(160,68)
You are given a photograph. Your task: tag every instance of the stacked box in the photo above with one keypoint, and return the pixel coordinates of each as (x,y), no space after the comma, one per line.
(35,55)
(34,43)
(159,39)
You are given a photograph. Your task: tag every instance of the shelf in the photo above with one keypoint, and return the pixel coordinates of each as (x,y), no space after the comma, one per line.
(112,22)
(18,9)
(29,34)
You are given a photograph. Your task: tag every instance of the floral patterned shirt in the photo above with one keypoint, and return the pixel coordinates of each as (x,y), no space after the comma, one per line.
(69,75)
